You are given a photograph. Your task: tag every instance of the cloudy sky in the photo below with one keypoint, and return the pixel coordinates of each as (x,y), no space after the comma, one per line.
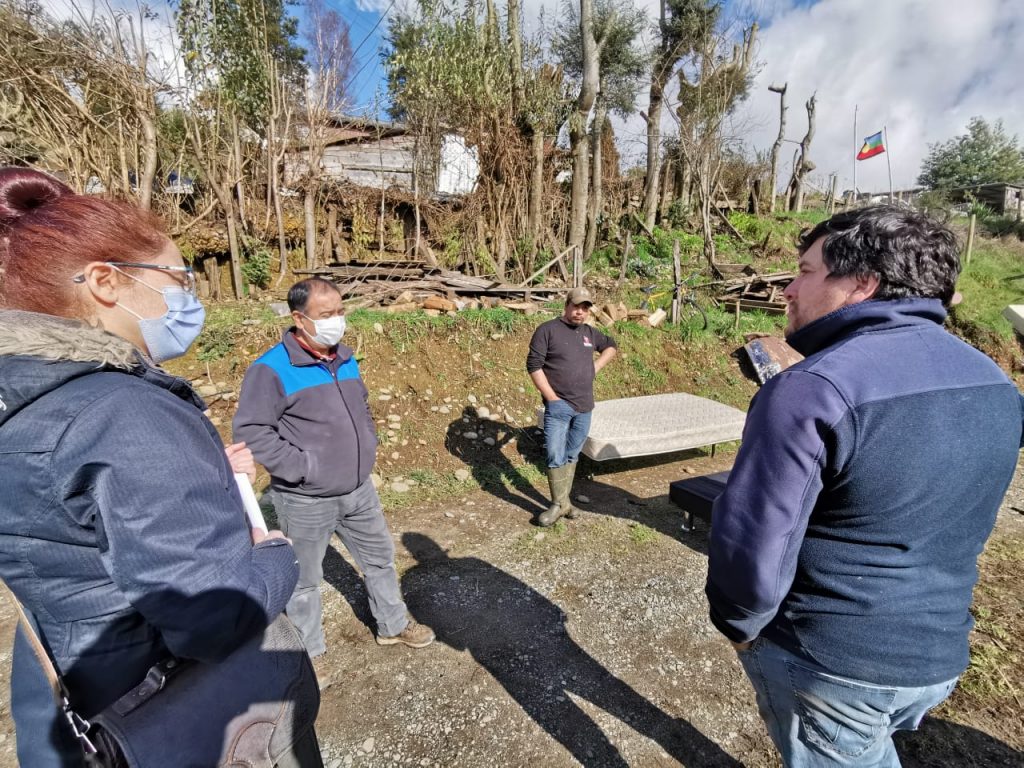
(919,68)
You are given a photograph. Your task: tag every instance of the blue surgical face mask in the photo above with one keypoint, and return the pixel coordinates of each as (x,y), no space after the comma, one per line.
(170,335)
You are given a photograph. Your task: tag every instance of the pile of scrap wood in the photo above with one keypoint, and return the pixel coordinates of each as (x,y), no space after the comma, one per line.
(609,314)
(408,301)
(399,284)
(760,292)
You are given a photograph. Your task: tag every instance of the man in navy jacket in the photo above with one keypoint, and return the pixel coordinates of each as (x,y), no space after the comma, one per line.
(844,549)
(303,412)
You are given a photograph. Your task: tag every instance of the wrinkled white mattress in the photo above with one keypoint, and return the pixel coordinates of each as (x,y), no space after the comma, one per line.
(642,426)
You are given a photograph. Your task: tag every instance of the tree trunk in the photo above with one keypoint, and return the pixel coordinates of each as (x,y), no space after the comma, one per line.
(668,179)
(122,156)
(704,192)
(803,166)
(309,216)
(212,271)
(149,157)
(653,149)
(578,126)
(515,39)
(596,180)
(236,146)
(777,146)
(536,203)
(282,239)
(331,235)
(237,283)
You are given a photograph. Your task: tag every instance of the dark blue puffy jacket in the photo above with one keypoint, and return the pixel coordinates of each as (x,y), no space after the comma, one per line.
(867,484)
(121,528)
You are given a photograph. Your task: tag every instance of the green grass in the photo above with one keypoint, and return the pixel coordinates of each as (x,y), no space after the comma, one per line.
(641,534)
(223,332)
(993,674)
(992,281)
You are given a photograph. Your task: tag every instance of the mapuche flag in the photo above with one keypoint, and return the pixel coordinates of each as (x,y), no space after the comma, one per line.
(872,146)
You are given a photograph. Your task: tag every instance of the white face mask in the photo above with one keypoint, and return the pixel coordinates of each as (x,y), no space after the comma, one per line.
(329,330)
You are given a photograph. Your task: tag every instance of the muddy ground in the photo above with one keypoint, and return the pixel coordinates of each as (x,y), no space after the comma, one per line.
(586,644)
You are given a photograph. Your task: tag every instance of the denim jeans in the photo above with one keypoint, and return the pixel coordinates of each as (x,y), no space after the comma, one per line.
(818,719)
(565,431)
(357,518)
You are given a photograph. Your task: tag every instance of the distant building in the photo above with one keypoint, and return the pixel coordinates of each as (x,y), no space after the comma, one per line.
(381,155)
(1004,199)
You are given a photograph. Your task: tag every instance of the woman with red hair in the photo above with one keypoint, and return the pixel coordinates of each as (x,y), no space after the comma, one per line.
(121,529)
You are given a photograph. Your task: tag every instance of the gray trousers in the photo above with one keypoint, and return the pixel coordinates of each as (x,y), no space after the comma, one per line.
(358,519)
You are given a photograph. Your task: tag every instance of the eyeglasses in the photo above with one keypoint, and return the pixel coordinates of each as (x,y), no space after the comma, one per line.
(188,274)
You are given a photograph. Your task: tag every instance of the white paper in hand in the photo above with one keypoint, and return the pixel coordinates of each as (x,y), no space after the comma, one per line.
(252,506)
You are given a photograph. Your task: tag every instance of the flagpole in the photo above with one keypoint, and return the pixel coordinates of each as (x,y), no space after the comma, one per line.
(888,162)
(855,148)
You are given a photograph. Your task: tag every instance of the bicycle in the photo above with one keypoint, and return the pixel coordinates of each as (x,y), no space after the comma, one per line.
(687,302)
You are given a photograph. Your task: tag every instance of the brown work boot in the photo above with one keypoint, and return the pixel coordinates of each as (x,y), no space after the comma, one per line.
(415,635)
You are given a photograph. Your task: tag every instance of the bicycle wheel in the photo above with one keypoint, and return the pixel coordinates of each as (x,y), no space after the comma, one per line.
(691,306)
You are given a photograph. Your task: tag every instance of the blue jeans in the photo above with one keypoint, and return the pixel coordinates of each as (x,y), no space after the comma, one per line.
(819,720)
(565,431)
(357,518)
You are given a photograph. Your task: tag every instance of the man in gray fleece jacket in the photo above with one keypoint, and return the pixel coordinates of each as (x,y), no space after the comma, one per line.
(303,413)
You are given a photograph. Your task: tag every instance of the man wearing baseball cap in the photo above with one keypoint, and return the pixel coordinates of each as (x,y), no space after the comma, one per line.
(562,366)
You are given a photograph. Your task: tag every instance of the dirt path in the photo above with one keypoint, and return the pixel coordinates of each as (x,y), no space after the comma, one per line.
(584,645)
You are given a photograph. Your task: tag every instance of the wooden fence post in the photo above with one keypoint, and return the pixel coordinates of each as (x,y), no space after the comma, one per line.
(676,279)
(625,257)
(970,236)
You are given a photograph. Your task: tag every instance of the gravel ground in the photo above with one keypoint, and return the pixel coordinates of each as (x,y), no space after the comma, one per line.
(586,644)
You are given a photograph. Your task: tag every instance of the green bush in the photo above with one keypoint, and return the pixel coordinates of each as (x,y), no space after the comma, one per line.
(256,267)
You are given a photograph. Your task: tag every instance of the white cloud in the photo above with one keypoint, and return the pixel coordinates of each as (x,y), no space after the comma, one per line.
(158,25)
(921,68)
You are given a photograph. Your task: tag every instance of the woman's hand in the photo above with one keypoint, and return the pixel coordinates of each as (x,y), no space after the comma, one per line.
(241,460)
(258,535)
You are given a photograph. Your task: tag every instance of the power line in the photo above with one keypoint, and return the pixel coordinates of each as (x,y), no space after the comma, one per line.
(368,34)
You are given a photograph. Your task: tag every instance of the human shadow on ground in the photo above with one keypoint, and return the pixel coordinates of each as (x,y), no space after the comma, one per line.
(939,743)
(492,469)
(260,677)
(520,637)
(342,575)
(597,483)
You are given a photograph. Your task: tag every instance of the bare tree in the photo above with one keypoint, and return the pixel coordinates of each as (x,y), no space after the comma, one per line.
(711,84)
(802,166)
(773,179)
(682,25)
(329,63)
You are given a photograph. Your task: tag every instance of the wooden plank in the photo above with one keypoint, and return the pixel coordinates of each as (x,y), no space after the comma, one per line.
(770,356)
(764,306)
(546,267)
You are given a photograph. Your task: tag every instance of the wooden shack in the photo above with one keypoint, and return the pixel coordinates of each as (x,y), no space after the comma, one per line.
(382,155)
(1004,199)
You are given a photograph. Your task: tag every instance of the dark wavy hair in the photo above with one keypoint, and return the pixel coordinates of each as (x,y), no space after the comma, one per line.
(910,253)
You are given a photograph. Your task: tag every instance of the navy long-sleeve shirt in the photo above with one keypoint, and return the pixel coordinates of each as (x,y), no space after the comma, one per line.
(867,483)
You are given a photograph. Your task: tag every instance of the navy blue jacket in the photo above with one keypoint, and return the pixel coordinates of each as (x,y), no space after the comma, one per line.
(121,528)
(307,421)
(867,483)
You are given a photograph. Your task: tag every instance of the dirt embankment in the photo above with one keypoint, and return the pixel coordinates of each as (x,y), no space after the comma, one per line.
(585,644)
